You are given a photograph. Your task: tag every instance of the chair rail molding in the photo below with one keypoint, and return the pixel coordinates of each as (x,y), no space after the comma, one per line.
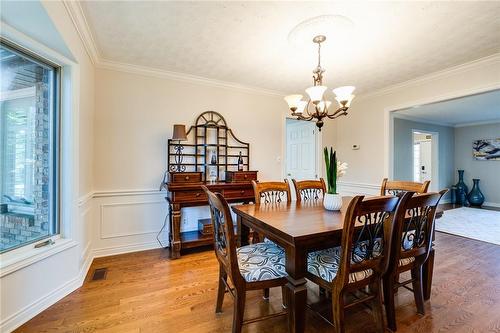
(354,188)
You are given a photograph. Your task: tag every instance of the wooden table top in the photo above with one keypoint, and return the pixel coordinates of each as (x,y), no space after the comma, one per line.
(296,219)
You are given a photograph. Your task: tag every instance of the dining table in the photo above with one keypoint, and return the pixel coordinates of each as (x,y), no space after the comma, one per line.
(299,228)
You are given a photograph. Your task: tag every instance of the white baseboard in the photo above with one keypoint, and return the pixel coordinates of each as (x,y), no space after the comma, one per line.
(31,310)
(121,249)
(491,204)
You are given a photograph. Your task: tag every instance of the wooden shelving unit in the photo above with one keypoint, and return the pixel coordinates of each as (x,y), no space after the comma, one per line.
(208,136)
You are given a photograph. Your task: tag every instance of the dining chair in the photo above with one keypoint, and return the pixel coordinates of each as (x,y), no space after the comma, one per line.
(395,187)
(309,190)
(360,261)
(251,267)
(411,246)
(271,192)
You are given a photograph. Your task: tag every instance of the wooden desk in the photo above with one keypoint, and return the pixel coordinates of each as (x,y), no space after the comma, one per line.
(182,195)
(299,228)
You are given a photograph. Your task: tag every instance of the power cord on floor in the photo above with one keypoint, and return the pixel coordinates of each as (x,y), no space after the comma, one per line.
(167,218)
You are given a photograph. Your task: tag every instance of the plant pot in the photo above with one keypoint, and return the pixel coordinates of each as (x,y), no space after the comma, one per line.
(332,201)
(476,197)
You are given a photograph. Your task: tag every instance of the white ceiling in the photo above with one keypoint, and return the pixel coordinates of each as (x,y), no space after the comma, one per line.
(246,42)
(472,109)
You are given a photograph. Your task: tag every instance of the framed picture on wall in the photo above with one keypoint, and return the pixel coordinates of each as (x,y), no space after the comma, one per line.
(486,149)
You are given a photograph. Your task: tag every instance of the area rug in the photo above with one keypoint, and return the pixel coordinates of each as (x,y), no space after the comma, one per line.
(479,224)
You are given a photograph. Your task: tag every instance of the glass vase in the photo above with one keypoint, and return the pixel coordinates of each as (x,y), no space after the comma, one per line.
(476,197)
(461,187)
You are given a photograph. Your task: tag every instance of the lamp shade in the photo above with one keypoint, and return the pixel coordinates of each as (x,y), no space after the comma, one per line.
(344,94)
(301,106)
(179,132)
(293,101)
(316,93)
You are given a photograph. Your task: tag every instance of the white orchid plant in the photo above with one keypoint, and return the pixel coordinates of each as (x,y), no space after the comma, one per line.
(334,170)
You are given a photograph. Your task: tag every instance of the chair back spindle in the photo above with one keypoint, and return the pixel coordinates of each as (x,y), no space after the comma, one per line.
(365,254)
(396,187)
(309,190)
(271,192)
(413,233)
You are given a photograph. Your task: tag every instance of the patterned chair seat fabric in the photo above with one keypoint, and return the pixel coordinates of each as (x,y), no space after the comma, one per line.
(261,261)
(325,264)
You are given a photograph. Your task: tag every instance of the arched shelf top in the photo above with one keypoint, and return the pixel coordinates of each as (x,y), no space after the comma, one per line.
(210,119)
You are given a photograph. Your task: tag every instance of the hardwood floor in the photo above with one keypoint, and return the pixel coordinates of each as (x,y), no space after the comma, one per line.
(148,292)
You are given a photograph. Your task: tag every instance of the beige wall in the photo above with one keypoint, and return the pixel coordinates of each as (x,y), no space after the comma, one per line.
(367,124)
(134,119)
(64,25)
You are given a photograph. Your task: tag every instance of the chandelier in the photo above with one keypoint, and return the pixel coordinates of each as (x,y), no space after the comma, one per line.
(316,107)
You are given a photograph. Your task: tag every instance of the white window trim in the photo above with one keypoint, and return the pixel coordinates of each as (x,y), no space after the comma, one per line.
(14,260)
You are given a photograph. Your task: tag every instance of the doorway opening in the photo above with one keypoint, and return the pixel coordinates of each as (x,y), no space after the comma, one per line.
(425,157)
(301,150)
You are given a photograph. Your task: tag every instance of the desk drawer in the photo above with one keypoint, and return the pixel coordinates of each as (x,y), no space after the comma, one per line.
(245,193)
(240,176)
(197,195)
(185,177)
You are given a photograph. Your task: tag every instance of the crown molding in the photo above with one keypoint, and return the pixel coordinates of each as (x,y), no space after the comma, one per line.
(160,73)
(489,60)
(82,27)
(77,16)
(422,120)
(479,123)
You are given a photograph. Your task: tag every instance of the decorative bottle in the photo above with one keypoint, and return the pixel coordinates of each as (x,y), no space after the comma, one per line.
(240,162)
(475,197)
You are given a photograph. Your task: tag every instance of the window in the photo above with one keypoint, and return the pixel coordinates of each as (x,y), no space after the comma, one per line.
(29,121)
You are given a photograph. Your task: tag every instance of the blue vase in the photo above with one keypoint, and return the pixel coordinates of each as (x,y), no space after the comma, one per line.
(453,195)
(461,187)
(476,197)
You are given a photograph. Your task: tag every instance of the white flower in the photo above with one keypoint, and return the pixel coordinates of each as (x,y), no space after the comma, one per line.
(341,168)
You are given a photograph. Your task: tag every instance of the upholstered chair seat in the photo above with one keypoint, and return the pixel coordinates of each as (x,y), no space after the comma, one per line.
(261,261)
(325,264)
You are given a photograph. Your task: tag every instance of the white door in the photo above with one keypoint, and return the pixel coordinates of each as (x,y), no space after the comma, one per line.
(300,149)
(425,160)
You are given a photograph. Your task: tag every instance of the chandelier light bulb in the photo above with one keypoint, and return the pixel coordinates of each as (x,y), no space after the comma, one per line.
(324,105)
(316,93)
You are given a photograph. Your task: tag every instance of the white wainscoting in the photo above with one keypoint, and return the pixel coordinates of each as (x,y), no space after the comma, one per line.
(128,220)
(352,188)
(72,265)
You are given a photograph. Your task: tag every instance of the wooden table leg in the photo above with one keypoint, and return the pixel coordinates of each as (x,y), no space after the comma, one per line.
(175,243)
(242,231)
(427,271)
(297,290)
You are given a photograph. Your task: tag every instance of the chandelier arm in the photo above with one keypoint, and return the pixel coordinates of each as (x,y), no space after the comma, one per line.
(339,110)
(307,109)
(300,117)
(333,116)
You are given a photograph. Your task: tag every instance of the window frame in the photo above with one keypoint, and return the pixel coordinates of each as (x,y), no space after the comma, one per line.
(55,133)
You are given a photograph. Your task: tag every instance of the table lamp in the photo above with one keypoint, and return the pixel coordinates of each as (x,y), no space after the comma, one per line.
(179,134)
